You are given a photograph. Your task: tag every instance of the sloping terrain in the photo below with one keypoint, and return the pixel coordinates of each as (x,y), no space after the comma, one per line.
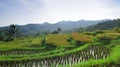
(107,25)
(66,26)
(63,50)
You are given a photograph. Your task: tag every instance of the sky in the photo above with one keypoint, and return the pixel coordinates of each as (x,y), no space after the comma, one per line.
(39,11)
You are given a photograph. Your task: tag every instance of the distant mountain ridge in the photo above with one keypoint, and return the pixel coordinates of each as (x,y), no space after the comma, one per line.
(105,25)
(31,29)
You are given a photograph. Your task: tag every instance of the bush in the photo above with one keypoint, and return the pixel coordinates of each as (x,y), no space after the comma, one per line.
(1,38)
(50,46)
(43,41)
(99,32)
(115,42)
(94,33)
(73,42)
(114,35)
(69,39)
(117,30)
(7,39)
(87,33)
(103,39)
(118,37)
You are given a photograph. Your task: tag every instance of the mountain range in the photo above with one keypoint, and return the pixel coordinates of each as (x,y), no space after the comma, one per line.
(105,25)
(66,26)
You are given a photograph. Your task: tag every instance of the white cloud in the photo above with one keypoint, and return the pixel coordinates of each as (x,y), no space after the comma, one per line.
(25,11)
(80,9)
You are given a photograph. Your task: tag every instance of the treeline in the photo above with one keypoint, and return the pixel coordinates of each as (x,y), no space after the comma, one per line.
(14,31)
(9,34)
(107,25)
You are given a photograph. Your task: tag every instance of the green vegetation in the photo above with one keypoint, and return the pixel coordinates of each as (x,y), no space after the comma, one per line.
(112,61)
(107,25)
(99,48)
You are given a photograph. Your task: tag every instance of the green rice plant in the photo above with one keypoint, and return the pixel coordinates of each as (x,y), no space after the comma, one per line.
(87,33)
(112,60)
(57,40)
(116,30)
(35,56)
(104,39)
(82,38)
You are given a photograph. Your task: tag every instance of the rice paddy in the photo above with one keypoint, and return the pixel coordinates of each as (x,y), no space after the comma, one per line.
(89,50)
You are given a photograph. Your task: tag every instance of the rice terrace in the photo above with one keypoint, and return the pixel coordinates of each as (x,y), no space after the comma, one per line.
(77,49)
(59,33)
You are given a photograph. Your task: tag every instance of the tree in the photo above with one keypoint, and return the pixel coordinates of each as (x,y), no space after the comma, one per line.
(10,34)
(104,39)
(43,41)
(57,31)
(1,35)
(81,30)
(71,41)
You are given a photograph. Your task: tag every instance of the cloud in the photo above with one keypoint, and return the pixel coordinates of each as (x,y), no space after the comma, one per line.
(80,9)
(30,11)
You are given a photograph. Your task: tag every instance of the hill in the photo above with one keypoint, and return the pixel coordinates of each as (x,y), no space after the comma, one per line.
(105,25)
(66,26)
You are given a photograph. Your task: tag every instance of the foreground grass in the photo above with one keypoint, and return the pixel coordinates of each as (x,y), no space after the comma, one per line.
(20,43)
(39,55)
(113,59)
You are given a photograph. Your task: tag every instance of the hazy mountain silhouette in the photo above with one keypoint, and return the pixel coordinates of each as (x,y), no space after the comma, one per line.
(105,25)
(30,29)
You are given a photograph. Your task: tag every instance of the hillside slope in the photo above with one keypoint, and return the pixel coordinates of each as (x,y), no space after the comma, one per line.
(105,25)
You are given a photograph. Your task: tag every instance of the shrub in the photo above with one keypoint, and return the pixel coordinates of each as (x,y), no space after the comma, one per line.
(114,35)
(43,41)
(97,32)
(118,37)
(1,38)
(50,46)
(87,33)
(55,32)
(69,39)
(116,42)
(7,39)
(117,30)
(104,39)
(94,33)
(30,41)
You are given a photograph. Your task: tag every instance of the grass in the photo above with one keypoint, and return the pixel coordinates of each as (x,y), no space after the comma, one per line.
(113,58)
(82,38)
(59,40)
(38,56)
(20,43)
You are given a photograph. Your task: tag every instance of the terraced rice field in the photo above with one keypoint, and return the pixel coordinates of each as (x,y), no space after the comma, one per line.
(88,50)
(53,58)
